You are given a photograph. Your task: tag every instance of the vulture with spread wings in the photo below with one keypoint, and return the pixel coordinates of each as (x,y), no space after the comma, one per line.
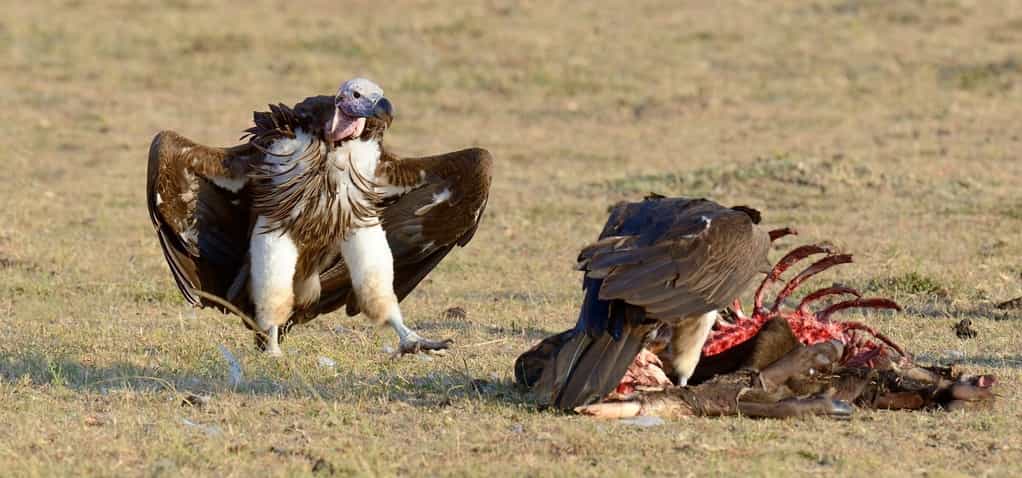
(312,214)
(660,261)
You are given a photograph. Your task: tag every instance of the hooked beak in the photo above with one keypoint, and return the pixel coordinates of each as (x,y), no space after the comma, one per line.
(333,126)
(383,111)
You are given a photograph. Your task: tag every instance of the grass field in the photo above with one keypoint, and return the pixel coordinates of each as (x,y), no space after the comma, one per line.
(889,128)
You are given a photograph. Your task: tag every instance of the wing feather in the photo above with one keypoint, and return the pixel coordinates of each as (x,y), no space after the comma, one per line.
(200,209)
(675,257)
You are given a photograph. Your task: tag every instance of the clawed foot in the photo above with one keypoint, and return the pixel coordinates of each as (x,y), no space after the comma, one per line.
(269,342)
(414,345)
(274,352)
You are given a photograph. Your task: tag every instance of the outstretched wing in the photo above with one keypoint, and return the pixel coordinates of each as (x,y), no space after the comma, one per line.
(437,204)
(199,206)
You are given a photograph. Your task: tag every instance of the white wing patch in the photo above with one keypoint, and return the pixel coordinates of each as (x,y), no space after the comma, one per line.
(231,184)
(190,235)
(438,198)
(706,225)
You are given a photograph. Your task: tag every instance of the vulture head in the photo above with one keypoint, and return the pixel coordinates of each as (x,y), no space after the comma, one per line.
(360,111)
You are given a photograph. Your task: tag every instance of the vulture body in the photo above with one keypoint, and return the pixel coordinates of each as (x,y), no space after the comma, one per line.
(660,261)
(311,214)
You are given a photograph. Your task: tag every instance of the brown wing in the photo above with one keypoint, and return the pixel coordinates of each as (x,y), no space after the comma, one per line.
(441,208)
(203,225)
(674,257)
(658,260)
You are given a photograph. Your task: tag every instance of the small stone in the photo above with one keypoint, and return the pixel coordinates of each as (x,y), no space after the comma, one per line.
(964,330)
(326,362)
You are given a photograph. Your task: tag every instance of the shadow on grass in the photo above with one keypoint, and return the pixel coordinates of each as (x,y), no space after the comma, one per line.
(528,332)
(986,361)
(435,389)
(40,369)
(978,311)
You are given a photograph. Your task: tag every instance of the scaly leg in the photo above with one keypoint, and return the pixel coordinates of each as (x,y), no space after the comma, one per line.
(273,257)
(368,257)
(687,342)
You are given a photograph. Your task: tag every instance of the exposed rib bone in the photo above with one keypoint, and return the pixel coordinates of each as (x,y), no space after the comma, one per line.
(883,338)
(787,261)
(816,268)
(870,303)
(803,307)
(779,233)
(736,307)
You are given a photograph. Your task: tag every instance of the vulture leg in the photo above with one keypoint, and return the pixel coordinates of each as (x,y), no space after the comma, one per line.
(371,265)
(274,257)
(687,342)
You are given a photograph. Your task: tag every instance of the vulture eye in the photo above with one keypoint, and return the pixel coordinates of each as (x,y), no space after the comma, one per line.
(356,94)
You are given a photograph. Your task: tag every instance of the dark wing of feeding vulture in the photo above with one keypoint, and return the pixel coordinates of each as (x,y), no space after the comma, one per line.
(200,205)
(658,261)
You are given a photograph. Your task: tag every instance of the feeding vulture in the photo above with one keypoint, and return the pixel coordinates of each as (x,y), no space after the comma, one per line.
(659,261)
(658,264)
(311,213)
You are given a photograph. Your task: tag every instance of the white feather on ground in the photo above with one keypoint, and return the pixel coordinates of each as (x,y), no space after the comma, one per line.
(234,373)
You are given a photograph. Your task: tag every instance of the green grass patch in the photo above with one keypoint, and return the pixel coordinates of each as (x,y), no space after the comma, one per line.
(911,283)
(999,75)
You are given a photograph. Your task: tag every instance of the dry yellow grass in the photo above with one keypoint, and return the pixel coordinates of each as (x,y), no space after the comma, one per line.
(890,128)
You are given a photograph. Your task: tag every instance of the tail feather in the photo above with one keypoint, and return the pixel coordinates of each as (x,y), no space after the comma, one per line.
(593,366)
